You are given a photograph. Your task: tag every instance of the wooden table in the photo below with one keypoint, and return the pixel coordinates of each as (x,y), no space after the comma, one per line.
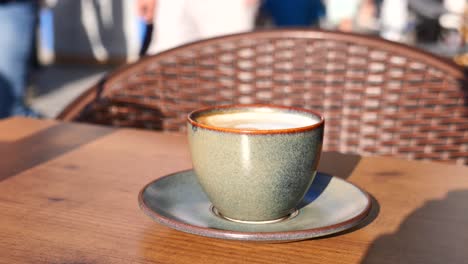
(68,194)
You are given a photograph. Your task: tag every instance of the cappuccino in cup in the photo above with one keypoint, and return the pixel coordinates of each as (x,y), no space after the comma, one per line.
(264,119)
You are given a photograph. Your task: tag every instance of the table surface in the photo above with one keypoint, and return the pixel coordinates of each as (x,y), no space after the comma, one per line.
(68,194)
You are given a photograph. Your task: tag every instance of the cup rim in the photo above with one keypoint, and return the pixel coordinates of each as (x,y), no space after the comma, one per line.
(194,123)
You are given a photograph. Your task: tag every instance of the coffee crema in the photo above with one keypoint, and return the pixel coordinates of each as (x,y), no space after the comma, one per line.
(258,120)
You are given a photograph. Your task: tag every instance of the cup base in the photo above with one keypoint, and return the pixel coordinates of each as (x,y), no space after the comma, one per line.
(281,219)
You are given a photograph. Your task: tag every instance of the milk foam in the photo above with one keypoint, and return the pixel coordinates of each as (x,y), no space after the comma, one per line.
(258,120)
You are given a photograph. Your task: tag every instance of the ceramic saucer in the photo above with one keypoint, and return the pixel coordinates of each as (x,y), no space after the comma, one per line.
(331,205)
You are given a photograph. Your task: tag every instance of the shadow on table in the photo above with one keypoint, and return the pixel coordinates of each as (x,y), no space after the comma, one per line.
(373,213)
(46,145)
(338,164)
(435,233)
(331,164)
(342,166)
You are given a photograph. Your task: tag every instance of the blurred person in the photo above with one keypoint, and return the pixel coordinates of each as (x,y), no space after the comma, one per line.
(351,15)
(103,31)
(341,13)
(177,22)
(452,21)
(18,20)
(437,23)
(394,19)
(293,13)
(90,20)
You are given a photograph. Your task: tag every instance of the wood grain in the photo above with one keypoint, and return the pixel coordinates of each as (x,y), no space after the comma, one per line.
(81,207)
(19,127)
(45,144)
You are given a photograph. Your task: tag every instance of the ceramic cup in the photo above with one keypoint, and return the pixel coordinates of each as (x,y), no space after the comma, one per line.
(255,162)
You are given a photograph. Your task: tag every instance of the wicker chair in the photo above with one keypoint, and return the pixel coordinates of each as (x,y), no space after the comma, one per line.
(378,97)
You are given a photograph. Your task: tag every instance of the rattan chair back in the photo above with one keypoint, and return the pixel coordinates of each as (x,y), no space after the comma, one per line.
(378,97)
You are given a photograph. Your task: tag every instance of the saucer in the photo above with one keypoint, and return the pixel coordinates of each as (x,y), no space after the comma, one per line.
(331,205)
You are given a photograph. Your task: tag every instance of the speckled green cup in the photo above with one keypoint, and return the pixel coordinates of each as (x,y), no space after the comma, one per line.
(255,175)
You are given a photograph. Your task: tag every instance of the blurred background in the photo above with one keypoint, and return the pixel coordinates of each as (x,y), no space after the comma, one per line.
(53,50)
